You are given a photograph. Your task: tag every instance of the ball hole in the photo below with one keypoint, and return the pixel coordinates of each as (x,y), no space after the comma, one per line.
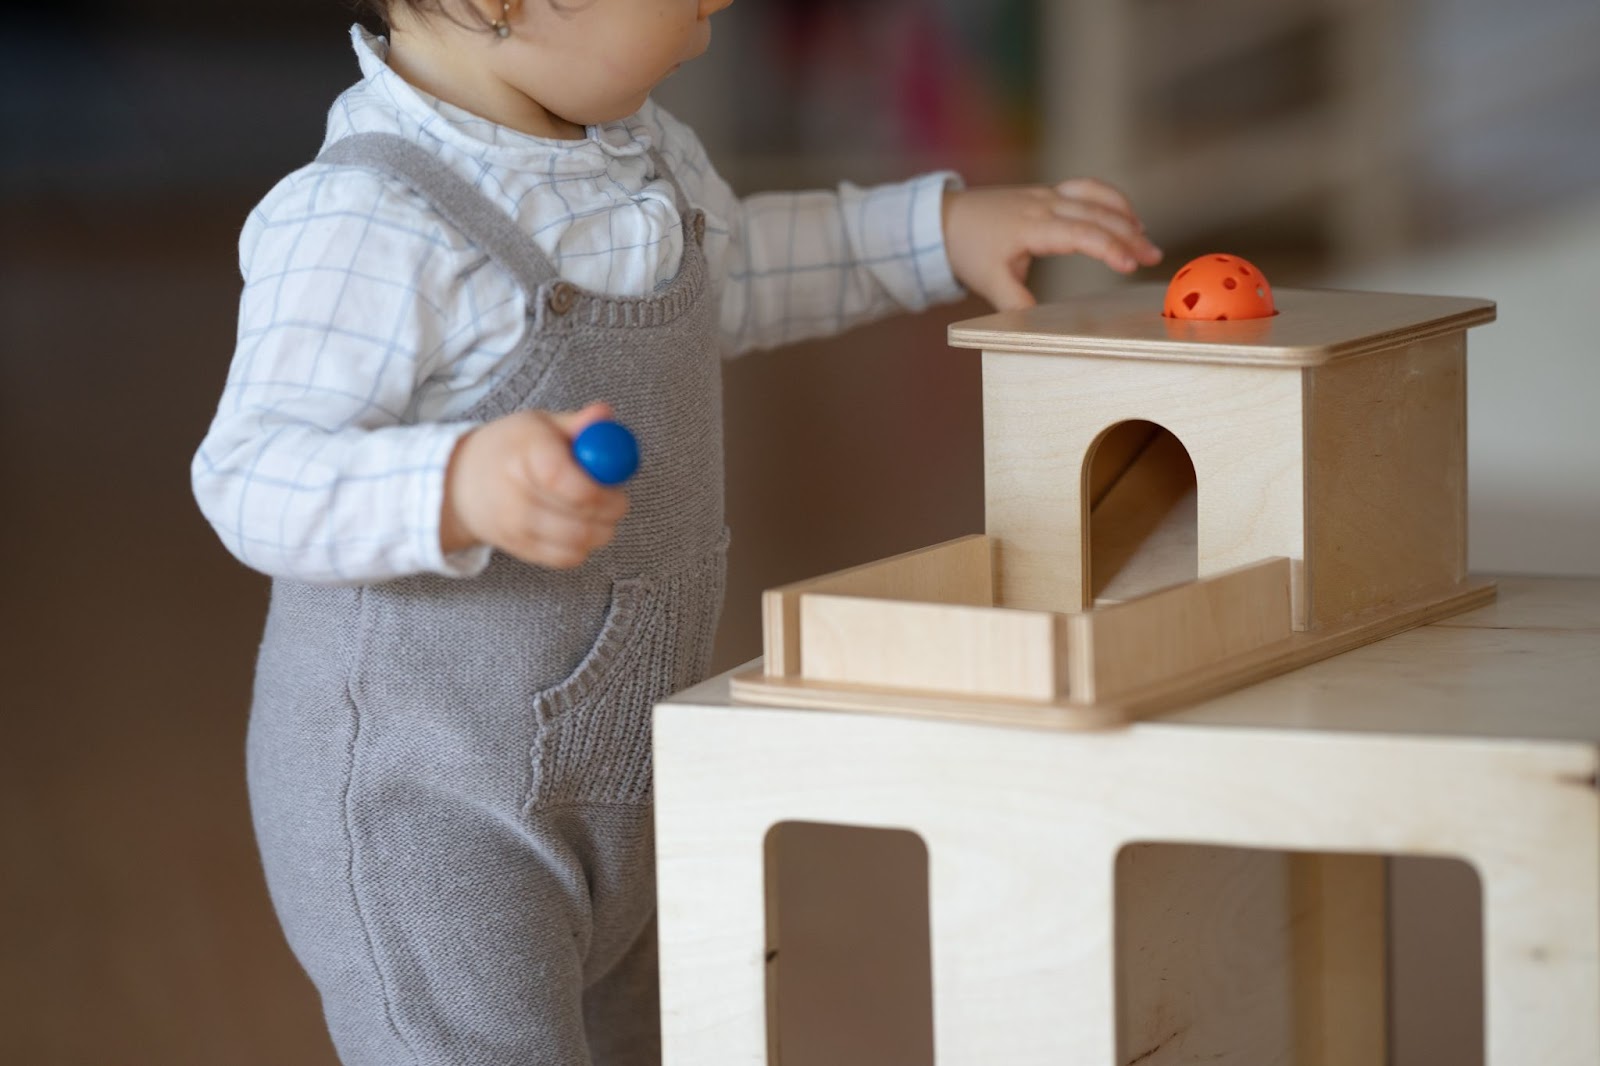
(1222,318)
(1190,300)
(1229,283)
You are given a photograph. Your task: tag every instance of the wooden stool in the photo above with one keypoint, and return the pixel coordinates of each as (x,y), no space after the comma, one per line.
(1476,738)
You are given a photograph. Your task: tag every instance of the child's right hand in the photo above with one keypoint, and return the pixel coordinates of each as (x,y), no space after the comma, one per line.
(514,484)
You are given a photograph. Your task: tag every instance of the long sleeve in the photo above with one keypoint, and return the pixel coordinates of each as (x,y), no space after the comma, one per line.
(808,264)
(316,466)
(368,326)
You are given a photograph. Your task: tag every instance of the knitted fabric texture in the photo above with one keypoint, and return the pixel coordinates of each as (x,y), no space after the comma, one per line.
(451,778)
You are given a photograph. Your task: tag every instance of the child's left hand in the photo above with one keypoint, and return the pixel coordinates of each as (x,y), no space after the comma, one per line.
(993,235)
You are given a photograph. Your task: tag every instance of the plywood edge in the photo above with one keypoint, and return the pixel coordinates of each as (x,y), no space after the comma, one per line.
(1382,342)
(1127,324)
(1021,343)
(780,633)
(754,687)
(1300,649)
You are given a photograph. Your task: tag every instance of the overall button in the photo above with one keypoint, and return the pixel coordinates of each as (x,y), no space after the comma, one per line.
(562,296)
(700,227)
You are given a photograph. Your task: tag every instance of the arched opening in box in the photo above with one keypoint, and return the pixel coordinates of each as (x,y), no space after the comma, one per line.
(1140,515)
(849,959)
(1245,955)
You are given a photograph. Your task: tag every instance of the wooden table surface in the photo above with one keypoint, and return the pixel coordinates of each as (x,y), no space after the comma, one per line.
(1526,666)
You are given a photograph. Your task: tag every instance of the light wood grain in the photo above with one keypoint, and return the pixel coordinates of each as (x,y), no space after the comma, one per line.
(1114,452)
(1241,427)
(1235,955)
(957,572)
(1386,478)
(1524,666)
(1538,604)
(1205,960)
(1339,908)
(1132,509)
(1338,443)
(1313,327)
(1168,555)
(982,652)
(1168,635)
(1023,828)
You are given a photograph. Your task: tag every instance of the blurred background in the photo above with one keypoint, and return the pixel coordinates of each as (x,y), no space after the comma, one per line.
(1446,146)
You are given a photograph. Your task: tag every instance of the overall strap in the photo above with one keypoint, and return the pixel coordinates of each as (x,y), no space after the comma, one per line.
(464,207)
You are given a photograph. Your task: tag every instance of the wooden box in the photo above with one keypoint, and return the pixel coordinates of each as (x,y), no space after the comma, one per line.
(1173,508)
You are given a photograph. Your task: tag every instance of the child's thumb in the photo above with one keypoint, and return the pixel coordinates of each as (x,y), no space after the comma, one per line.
(571,423)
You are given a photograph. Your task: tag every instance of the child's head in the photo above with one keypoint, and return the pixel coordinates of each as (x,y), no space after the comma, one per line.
(584,61)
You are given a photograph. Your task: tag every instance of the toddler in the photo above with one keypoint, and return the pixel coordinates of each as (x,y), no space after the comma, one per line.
(502,241)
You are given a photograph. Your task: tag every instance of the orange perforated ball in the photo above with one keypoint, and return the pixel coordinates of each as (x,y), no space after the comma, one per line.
(1217,287)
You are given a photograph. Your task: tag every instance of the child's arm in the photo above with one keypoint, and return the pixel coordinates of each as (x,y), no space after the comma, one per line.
(325,461)
(796,265)
(813,264)
(799,265)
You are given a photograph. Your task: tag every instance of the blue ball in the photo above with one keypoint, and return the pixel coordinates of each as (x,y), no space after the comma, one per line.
(607,451)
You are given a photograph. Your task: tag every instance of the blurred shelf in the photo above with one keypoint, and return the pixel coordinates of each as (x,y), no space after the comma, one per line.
(1220,115)
(1191,38)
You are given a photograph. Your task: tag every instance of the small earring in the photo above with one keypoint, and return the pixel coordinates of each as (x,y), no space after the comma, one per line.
(502,25)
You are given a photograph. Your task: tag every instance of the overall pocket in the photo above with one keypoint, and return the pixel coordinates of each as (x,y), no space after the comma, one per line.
(593,739)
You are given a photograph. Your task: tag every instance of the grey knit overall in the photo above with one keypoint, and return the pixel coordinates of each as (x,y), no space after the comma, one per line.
(450,779)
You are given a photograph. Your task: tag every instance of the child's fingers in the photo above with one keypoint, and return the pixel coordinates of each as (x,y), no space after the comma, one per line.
(597,503)
(1097,192)
(553,475)
(565,516)
(1063,236)
(1126,230)
(1113,210)
(553,538)
(560,484)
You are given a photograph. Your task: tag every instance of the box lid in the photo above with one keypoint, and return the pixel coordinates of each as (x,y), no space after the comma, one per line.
(1312,327)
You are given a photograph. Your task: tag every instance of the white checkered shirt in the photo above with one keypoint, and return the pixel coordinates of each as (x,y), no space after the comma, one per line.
(366,318)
